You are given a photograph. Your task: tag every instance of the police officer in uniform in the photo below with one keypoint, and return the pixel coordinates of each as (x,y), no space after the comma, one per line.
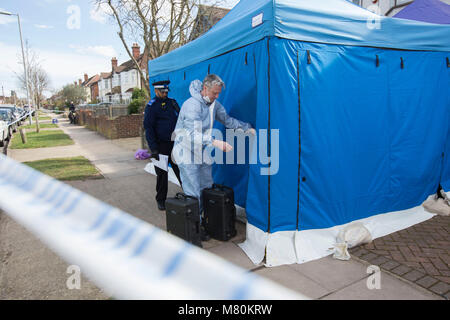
(160,118)
(72,112)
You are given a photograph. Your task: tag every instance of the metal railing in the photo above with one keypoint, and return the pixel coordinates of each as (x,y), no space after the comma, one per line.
(111,111)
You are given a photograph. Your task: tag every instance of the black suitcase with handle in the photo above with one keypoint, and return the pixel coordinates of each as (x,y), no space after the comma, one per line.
(219,212)
(183,218)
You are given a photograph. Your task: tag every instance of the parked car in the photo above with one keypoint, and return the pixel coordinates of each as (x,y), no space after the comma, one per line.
(15,111)
(22,113)
(104,104)
(5,133)
(28,109)
(8,115)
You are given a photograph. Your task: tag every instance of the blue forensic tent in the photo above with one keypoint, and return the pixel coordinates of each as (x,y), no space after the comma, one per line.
(356,108)
(433,11)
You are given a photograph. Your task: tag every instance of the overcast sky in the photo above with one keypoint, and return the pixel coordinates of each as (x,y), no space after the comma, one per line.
(67,47)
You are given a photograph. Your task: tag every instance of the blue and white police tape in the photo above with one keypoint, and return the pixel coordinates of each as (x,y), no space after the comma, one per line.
(127,257)
(52,111)
(22,117)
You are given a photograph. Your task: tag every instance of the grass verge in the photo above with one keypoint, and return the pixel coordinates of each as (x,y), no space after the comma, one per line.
(43,139)
(66,169)
(41,126)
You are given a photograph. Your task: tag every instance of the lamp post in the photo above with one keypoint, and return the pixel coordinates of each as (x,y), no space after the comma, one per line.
(6,13)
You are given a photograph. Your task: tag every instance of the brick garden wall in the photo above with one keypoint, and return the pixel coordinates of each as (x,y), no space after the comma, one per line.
(128,126)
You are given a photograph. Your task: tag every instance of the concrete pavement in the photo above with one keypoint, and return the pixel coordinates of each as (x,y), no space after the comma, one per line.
(128,187)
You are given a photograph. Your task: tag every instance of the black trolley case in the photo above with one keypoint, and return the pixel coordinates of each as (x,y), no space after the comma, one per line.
(183,218)
(219,212)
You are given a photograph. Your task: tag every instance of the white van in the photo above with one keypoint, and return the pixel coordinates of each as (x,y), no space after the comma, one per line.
(4,131)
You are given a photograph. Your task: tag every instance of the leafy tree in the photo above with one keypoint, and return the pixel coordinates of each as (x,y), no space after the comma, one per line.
(137,93)
(138,101)
(74,93)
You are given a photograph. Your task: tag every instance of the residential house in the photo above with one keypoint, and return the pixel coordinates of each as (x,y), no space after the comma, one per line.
(93,87)
(86,88)
(90,85)
(104,87)
(117,86)
(207,17)
(7,100)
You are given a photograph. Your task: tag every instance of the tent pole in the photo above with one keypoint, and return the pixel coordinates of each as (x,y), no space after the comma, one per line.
(268,128)
(299,141)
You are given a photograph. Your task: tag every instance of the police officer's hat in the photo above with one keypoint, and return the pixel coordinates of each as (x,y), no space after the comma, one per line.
(162,85)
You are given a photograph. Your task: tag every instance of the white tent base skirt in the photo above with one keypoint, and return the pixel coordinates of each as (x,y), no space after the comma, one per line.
(288,247)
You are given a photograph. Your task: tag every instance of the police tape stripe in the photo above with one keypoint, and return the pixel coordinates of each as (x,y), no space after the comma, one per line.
(127,257)
(52,110)
(17,120)
(24,116)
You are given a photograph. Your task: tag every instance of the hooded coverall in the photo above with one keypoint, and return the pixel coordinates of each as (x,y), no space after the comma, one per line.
(194,121)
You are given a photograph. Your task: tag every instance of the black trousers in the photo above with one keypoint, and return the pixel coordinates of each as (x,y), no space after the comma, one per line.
(163,176)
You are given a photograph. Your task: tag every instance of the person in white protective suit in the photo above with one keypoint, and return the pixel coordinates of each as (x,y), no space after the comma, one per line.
(193,136)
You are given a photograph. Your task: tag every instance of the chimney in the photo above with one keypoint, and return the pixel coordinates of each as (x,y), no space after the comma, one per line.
(86,77)
(136,51)
(114,63)
(79,82)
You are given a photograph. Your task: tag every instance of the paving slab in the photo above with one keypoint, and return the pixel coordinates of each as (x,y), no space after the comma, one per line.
(293,280)
(231,252)
(390,288)
(330,273)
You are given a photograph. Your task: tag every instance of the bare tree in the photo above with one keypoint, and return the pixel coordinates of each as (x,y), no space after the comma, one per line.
(162,25)
(39,84)
(38,79)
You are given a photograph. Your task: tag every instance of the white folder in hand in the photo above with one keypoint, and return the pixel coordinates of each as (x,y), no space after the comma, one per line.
(162,163)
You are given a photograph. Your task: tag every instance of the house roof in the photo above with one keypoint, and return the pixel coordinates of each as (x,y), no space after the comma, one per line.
(207,17)
(90,81)
(93,80)
(129,65)
(86,83)
(327,21)
(105,75)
